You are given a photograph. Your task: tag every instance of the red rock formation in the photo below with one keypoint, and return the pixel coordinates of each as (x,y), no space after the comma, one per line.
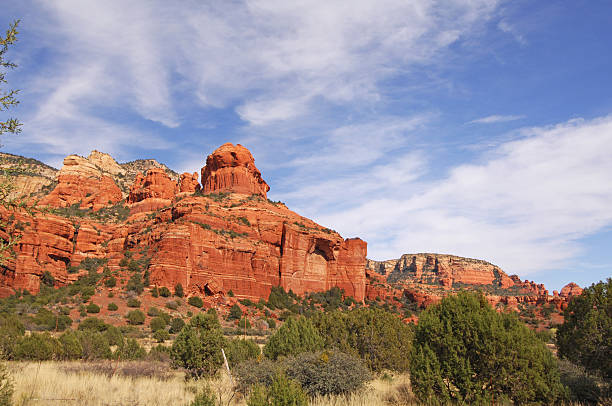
(189,183)
(80,181)
(157,184)
(209,244)
(569,290)
(231,168)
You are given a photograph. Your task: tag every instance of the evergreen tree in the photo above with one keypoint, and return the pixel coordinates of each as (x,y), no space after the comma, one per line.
(466,352)
(585,337)
(197,347)
(293,337)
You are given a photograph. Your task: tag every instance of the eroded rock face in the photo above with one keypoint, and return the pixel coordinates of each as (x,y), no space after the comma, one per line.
(81,181)
(569,290)
(443,270)
(209,244)
(156,184)
(231,168)
(188,183)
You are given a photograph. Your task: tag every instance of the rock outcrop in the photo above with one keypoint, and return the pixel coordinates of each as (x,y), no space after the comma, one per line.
(569,290)
(28,177)
(443,270)
(231,168)
(81,182)
(156,184)
(188,183)
(211,244)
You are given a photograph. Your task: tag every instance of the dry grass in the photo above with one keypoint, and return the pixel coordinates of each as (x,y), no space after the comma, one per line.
(106,384)
(50,383)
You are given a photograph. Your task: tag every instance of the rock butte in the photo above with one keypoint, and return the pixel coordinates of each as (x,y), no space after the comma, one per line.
(227,237)
(222,236)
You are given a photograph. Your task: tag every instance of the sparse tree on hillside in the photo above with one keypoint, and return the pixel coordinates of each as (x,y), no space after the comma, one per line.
(585,337)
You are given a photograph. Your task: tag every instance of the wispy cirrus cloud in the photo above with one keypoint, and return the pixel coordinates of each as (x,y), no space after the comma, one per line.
(495,118)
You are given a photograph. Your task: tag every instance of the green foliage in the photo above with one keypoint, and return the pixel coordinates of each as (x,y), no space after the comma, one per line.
(255,372)
(172,305)
(330,299)
(133,302)
(195,301)
(130,350)
(38,347)
(292,338)
(582,386)
(286,392)
(135,317)
(47,279)
(279,299)
(197,347)
(71,345)
(11,329)
(239,350)
(136,284)
(93,323)
(244,323)
(161,335)
(466,352)
(204,397)
(157,323)
(258,396)
(7,98)
(585,337)
(47,320)
(112,306)
(235,312)
(114,336)
(178,290)
(325,373)
(93,308)
(176,325)
(230,293)
(164,292)
(7,386)
(110,282)
(95,345)
(376,336)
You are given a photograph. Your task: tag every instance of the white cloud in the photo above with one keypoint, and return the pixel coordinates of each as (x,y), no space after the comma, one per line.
(508,28)
(495,119)
(525,207)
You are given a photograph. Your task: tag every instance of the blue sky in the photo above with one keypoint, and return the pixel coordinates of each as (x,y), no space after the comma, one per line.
(478,128)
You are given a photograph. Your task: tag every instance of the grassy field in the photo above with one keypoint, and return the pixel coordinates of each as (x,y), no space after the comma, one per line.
(152,384)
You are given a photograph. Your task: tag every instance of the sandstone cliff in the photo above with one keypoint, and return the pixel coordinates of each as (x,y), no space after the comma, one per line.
(228,238)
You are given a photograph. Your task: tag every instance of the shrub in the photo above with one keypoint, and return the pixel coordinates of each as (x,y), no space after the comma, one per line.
(157,323)
(93,308)
(292,338)
(130,350)
(164,291)
(114,336)
(195,301)
(255,372)
(585,337)
(159,353)
(285,391)
(172,305)
(112,307)
(93,323)
(95,345)
(325,373)
(135,317)
(38,347)
(47,320)
(235,312)
(466,352)
(71,345)
(110,282)
(197,347)
(244,323)
(258,396)
(582,386)
(378,337)
(133,302)
(7,387)
(239,350)
(47,279)
(204,397)
(176,325)
(161,335)
(178,290)
(135,284)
